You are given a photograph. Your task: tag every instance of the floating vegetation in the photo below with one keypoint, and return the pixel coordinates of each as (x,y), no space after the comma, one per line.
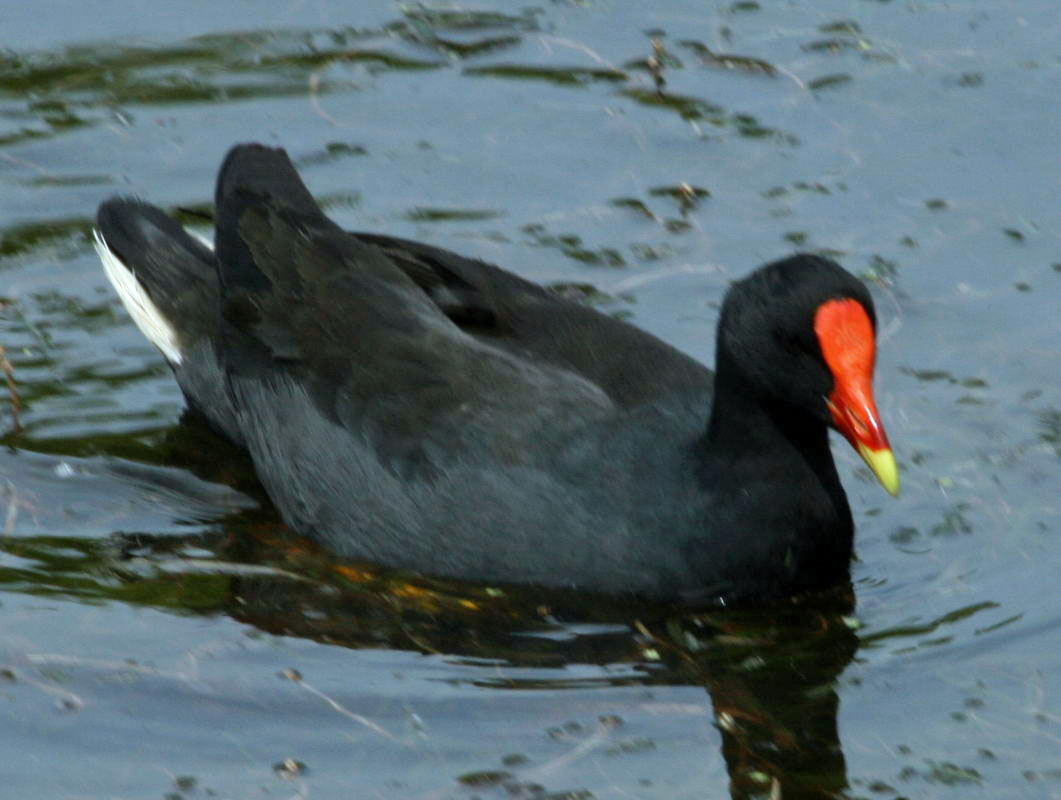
(881,270)
(677,225)
(586,293)
(848,26)
(571,246)
(829,81)
(1050,428)
(847,35)
(831,46)
(80,68)
(689,108)
(633,204)
(374,57)
(695,109)
(728,60)
(934,375)
(20,239)
(475,48)
(211,68)
(424,26)
(648,252)
(686,195)
(333,151)
(12,390)
(949,774)
(421,18)
(67,180)
(561,76)
(423,214)
(659,59)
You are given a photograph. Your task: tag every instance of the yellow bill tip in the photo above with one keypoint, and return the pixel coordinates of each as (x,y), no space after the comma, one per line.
(882,464)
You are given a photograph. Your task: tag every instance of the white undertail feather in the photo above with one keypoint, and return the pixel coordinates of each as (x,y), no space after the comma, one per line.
(206,241)
(144,312)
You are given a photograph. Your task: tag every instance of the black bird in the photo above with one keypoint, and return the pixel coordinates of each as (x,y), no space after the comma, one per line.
(406,405)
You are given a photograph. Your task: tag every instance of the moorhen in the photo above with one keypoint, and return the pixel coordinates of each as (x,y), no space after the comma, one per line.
(408,406)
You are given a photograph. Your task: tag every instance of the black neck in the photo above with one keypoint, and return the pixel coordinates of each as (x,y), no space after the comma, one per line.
(746,426)
(795,530)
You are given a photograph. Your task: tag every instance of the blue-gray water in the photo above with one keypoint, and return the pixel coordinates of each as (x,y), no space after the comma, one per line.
(143,648)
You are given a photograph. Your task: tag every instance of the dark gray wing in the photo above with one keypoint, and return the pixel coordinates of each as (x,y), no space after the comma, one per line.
(631,366)
(323,311)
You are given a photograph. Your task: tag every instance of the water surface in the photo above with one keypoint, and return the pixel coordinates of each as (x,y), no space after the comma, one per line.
(161,636)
